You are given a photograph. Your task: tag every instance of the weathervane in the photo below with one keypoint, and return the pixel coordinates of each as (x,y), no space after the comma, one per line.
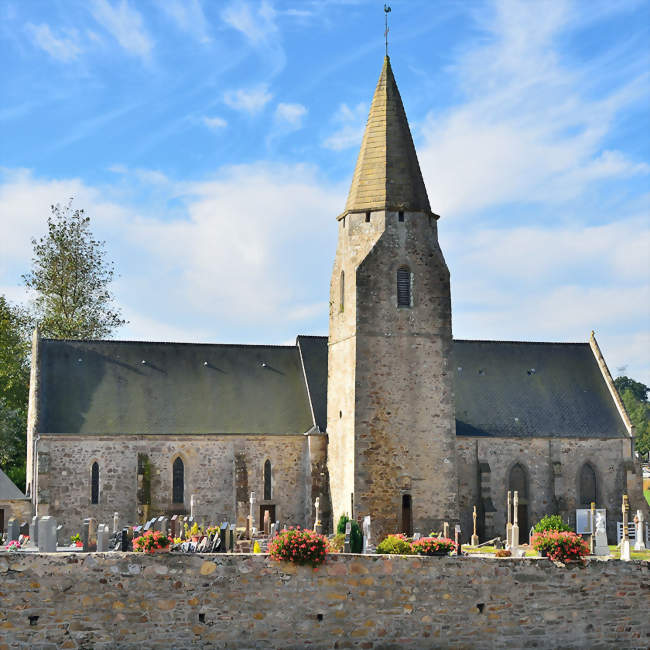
(386,12)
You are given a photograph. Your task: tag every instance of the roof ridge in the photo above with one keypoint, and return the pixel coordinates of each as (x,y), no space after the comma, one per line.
(135,342)
(521,342)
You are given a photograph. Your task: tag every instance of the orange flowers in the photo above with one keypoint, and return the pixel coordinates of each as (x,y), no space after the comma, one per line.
(299,546)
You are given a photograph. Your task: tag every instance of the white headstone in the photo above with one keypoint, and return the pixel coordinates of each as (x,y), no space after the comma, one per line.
(600,544)
(102,538)
(116,522)
(639,542)
(367,536)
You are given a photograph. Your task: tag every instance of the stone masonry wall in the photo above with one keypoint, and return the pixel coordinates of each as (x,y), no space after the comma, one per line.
(248,601)
(214,469)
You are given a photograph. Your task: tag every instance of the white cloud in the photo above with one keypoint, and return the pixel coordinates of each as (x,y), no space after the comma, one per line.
(257,23)
(290,115)
(215,122)
(125,24)
(188,16)
(352,122)
(64,48)
(249,100)
(531,128)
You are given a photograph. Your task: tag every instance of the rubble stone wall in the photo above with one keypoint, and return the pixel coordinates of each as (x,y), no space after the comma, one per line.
(233,601)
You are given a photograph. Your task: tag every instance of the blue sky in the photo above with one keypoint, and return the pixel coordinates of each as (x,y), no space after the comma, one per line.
(212,143)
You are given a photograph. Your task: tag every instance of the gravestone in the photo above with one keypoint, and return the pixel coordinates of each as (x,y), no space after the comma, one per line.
(159,523)
(124,542)
(474,541)
(46,534)
(346,542)
(639,542)
(272,533)
(367,536)
(33,531)
(59,536)
(277,526)
(202,546)
(445,529)
(216,543)
(222,536)
(232,533)
(625,542)
(173,525)
(24,529)
(193,503)
(514,532)
(148,525)
(164,526)
(416,536)
(89,534)
(103,536)
(509,524)
(600,542)
(457,539)
(318,528)
(116,522)
(267,523)
(13,530)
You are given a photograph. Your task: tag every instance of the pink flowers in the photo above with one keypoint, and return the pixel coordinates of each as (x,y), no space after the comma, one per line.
(560,546)
(433,545)
(299,546)
(150,542)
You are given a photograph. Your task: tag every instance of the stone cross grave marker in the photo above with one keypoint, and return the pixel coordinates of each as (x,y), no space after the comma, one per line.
(625,542)
(474,541)
(13,530)
(514,531)
(317,525)
(457,538)
(639,542)
(46,534)
(445,529)
(346,543)
(193,502)
(250,517)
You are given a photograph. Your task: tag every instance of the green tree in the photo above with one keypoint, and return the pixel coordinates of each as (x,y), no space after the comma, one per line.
(635,397)
(70,278)
(15,327)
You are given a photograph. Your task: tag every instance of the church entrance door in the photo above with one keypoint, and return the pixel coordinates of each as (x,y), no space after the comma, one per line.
(271,511)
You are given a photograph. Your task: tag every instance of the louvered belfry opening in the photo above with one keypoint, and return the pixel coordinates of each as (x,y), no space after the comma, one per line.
(178,481)
(94,483)
(403,287)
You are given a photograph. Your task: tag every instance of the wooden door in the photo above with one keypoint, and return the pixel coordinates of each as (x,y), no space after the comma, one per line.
(271,511)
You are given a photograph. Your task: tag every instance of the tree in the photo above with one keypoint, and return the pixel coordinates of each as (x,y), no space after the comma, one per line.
(70,277)
(15,327)
(635,398)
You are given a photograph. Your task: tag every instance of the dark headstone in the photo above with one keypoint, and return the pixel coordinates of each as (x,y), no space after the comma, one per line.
(174,526)
(222,534)
(13,530)
(124,547)
(231,540)
(24,529)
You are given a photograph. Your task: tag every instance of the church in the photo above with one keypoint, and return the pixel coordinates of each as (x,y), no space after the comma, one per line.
(388,416)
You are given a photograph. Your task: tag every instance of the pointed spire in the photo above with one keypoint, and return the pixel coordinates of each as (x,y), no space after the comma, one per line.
(387,175)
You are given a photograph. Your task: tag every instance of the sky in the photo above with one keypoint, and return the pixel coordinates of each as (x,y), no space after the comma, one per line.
(212,143)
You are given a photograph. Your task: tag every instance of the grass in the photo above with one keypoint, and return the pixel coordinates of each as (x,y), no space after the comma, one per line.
(613,549)
(491,550)
(646,494)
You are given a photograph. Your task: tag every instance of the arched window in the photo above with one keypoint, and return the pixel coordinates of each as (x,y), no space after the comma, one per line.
(342,301)
(178,481)
(267,481)
(587,485)
(94,483)
(518,482)
(403,287)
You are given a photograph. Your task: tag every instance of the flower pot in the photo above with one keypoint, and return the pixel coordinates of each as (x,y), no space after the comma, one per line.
(79,544)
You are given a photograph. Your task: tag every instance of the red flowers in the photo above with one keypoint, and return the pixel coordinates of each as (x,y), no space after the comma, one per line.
(151,542)
(560,546)
(433,545)
(299,546)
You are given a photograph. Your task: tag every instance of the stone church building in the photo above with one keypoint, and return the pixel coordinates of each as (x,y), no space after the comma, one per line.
(389,416)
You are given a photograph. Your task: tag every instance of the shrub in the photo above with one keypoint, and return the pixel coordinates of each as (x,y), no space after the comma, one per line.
(150,542)
(560,546)
(335,544)
(299,546)
(395,545)
(356,536)
(433,545)
(551,522)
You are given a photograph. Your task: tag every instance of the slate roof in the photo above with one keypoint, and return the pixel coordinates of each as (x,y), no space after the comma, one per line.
(93,387)
(503,389)
(8,490)
(387,175)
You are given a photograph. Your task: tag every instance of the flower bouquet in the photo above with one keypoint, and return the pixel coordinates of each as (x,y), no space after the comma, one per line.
(560,546)
(299,546)
(76,540)
(151,542)
(13,546)
(433,546)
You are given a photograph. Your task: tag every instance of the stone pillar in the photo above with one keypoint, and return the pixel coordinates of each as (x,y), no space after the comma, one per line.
(514,540)
(625,541)
(639,541)
(509,524)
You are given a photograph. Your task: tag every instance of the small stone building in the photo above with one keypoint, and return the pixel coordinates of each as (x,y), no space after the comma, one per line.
(389,416)
(13,503)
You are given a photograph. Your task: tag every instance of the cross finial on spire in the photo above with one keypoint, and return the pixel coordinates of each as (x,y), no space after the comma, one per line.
(386,12)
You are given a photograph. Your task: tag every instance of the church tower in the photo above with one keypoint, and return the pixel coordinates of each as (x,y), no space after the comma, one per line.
(390,402)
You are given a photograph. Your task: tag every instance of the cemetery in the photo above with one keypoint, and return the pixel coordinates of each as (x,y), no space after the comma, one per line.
(201,583)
